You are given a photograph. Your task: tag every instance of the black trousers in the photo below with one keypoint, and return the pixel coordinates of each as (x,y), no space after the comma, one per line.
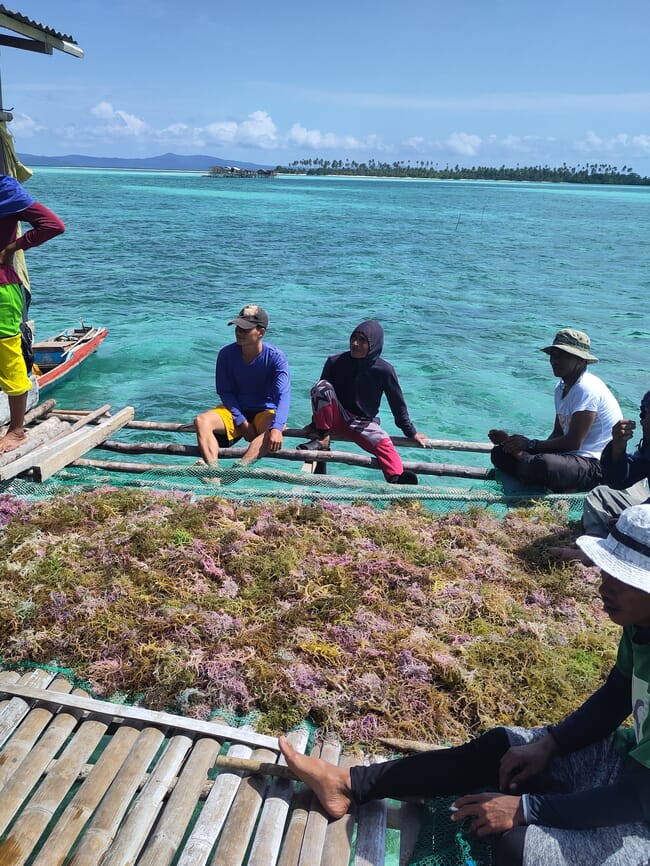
(560,473)
(461,770)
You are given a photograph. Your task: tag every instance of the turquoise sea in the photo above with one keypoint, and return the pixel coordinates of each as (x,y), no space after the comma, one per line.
(469,279)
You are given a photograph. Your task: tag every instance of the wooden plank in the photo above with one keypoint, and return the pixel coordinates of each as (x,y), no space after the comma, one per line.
(37,438)
(62,453)
(370,849)
(239,827)
(87,418)
(27,734)
(172,825)
(265,849)
(16,709)
(215,810)
(314,839)
(34,414)
(140,714)
(104,825)
(80,809)
(38,812)
(410,818)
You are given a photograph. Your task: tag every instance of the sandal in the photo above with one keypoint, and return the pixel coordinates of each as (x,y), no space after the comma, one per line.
(312,445)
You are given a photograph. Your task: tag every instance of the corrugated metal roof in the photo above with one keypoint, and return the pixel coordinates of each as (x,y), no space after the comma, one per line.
(22,19)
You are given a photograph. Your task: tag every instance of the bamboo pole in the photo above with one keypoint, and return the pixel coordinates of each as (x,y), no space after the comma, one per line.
(100,833)
(242,818)
(349,459)
(302,433)
(215,811)
(170,826)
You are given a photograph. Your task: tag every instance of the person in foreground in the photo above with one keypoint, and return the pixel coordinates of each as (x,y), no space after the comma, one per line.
(17,206)
(585,412)
(573,794)
(252,380)
(345,402)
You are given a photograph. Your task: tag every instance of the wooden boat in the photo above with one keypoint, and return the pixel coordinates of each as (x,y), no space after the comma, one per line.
(56,358)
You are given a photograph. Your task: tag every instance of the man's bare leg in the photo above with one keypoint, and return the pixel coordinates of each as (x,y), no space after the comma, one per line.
(260,445)
(330,784)
(15,435)
(207,424)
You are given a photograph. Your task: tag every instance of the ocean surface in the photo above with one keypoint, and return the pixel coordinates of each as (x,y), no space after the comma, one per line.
(469,280)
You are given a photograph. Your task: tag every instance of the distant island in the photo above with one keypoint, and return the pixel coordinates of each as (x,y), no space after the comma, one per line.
(588,173)
(164,162)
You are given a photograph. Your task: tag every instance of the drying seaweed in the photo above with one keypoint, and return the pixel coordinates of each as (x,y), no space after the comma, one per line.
(391,623)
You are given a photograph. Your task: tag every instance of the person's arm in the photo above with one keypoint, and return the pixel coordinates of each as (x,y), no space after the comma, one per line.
(224,386)
(281,392)
(397,404)
(45,226)
(598,716)
(624,802)
(620,469)
(579,426)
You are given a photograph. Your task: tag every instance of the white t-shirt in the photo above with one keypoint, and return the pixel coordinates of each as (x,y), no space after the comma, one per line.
(589,394)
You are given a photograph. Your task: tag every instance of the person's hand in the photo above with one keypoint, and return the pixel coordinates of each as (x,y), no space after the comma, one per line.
(4,255)
(421,439)
(521,763)
(275,439)
(622,432)
(515,444)
(497,437)
(489,813)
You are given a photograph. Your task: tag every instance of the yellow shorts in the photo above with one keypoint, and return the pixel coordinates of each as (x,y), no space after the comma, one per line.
(229,421)
(14,380)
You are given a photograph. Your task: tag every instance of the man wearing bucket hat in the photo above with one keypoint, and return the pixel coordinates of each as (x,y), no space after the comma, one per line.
(572,794)
(585,412)
(252,380)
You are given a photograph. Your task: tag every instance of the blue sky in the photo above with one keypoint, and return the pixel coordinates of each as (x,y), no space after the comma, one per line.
(473,82)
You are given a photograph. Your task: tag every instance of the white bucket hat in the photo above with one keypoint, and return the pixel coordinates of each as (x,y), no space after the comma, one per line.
(625,553)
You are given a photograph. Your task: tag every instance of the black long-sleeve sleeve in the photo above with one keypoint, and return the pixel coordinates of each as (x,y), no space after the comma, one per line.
(624,802)
(627,469)
(600,714)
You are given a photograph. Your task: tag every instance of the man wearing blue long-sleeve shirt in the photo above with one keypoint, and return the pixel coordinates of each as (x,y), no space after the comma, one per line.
(253,383)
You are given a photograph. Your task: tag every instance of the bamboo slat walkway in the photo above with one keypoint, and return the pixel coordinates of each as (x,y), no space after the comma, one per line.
(87,782)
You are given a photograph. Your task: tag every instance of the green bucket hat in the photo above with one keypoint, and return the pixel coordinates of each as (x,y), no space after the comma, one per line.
(574,342)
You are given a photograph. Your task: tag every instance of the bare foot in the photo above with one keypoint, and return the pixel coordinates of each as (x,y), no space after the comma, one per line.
(331,784)
(12,440)
(497,437)
(569,554)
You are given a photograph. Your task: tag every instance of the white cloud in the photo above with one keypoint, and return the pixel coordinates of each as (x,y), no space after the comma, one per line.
(621,144)
(117,121)
(24,125)
(463,143)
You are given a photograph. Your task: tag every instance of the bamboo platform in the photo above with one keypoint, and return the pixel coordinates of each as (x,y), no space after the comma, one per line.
(321,459)
(52,442)
(87,782)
